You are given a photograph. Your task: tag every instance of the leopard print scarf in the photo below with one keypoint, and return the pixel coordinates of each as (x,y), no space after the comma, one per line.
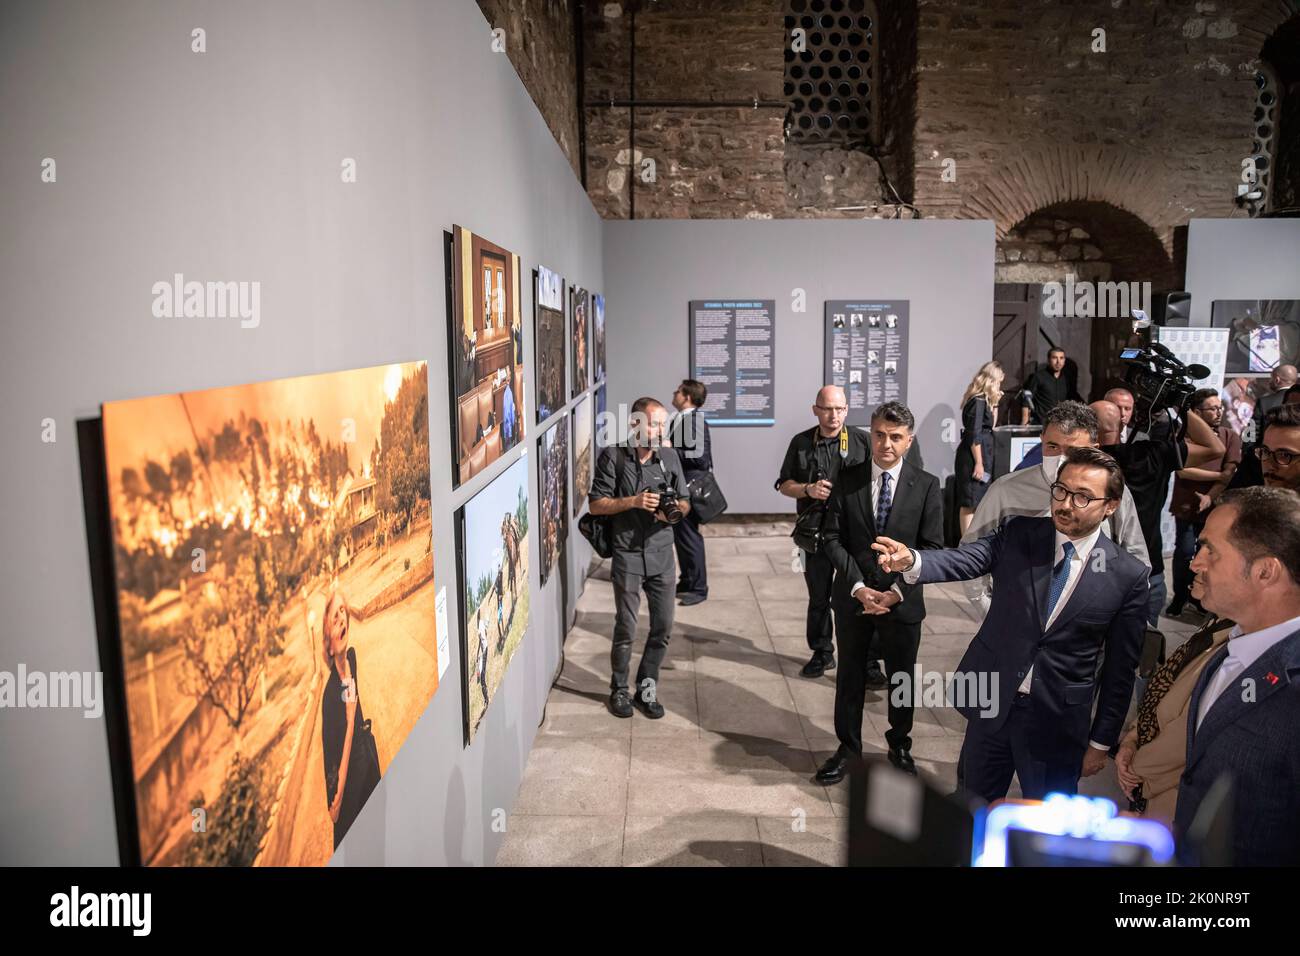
(1148,726)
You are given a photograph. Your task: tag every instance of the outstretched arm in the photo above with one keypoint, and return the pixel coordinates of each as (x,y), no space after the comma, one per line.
(961,563)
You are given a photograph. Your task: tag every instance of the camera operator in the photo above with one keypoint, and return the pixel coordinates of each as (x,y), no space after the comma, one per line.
(1196,490)
(1147,465)
(812,464)
(640,485)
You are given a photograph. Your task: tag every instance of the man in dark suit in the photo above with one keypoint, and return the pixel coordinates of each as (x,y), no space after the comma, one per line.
(689,434)
(1062,593)
(886,493)
(1243,720)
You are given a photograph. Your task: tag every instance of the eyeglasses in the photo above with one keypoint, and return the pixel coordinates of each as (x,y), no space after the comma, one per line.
(1279,455)
(1077,498)
(832,408)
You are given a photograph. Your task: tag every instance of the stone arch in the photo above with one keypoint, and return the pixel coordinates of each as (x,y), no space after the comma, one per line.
(1095,177)
(1091,238)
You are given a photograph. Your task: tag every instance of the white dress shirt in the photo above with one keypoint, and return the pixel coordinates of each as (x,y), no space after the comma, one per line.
(1078,561)
(876,472)
(1243,651)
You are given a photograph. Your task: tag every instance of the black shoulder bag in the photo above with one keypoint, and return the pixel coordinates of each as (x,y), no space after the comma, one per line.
(598,529)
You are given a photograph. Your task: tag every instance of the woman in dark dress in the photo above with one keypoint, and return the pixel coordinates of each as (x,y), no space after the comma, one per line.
(974,464)
(351,757)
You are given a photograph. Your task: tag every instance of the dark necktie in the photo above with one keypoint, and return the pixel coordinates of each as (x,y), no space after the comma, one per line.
(1060,574)
(884,503)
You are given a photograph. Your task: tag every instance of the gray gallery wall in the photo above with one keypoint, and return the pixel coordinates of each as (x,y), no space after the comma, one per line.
(655,268)
(1241,259)
(226,166)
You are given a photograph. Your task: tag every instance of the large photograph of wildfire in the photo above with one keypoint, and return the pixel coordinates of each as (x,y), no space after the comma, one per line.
(274,574)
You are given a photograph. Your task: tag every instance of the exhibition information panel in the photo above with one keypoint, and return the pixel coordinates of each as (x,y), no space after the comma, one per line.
(866,353)
(731,353)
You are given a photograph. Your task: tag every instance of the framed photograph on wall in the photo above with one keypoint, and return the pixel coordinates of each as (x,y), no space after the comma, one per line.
(1262,334)
(598,338)
(486,352)
(552,506)
(492,544)
(582,455)
(604,428)
(549,343)
(580,306)
(273,565)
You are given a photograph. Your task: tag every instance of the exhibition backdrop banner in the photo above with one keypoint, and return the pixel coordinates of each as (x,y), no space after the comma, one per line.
(598,335)
(553,477)
(866,353)
(493,550)
(1262,334)
(1197,346)
(732,354)
(580,304)
(548,343)
(582,461)
(486,353)
(273,562)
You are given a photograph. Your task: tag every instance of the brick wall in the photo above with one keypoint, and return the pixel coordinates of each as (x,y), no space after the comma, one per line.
(1139,138)
(539,39)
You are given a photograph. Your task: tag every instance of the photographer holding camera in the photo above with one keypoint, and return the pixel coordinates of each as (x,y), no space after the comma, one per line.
(1147,465)
(640,486)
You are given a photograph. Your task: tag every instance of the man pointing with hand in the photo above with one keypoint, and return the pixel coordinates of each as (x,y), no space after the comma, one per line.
(1062,592)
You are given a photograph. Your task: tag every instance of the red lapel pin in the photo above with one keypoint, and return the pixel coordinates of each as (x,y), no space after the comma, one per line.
(1271,677)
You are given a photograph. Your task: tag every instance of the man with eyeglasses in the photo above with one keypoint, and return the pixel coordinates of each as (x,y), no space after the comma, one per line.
(808,473)
(1279,453)
(1064,631)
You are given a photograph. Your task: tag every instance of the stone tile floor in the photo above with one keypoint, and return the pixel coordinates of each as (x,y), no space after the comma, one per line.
(726,777)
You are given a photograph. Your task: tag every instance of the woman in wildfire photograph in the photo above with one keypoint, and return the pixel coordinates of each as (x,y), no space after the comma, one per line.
(351,757)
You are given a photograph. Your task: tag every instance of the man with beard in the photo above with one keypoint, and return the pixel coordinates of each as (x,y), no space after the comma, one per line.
(1064,632)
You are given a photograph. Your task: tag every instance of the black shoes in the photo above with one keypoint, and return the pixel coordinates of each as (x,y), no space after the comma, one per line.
(682,587)
(646,700)
(1176,608)
(619,704)
(818,664)
(690,597)
(834,769)
(876,679)
(902,759)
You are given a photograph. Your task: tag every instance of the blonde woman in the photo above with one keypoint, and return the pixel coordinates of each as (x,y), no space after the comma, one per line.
(974,465)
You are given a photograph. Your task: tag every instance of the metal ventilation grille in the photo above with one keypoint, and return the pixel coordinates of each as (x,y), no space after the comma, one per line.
(830,82)
(1264,148)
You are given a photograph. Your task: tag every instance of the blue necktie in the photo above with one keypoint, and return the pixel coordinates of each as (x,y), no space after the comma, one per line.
(1060,574)
(884,503)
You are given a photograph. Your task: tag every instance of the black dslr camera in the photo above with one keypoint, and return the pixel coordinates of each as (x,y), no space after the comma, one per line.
(1158,380)
(668,506)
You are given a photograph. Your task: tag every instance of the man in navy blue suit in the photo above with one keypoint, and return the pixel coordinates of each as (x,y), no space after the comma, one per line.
(1062,594)
(1243,720)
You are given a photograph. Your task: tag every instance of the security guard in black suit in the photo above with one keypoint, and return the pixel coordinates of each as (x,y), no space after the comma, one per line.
(808,473)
